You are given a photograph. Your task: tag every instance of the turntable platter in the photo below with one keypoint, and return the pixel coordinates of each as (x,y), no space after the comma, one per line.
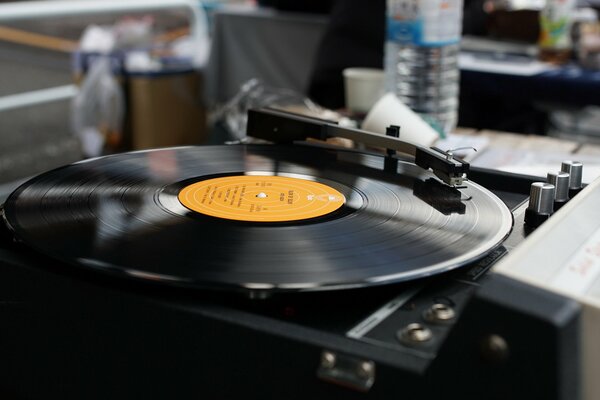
(260,217)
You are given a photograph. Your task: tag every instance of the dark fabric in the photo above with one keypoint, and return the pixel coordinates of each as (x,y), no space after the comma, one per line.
(310,6)
(475,19)
(354,38)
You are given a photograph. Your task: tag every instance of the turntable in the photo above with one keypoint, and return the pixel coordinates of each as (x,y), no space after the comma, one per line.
(286,270)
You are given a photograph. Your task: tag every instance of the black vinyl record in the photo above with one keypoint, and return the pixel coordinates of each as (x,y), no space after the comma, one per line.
(124,215)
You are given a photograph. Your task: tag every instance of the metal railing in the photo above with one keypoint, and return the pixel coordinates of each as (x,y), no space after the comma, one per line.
(51,9)
(36,10)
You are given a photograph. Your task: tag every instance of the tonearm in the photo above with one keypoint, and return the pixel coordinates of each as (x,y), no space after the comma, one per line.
(284,127)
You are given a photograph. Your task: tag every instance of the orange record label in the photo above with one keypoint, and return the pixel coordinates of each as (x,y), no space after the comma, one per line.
(261,198)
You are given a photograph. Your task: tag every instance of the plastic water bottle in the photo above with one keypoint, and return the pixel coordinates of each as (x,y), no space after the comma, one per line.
(555,31)
(421,57)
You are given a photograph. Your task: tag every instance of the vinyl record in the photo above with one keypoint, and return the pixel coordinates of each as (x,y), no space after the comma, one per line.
(263,217)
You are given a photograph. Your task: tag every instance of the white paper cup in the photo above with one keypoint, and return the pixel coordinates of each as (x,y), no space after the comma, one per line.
(389,110)
(363,87)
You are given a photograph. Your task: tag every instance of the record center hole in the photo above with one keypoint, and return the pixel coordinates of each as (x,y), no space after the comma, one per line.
(262,195)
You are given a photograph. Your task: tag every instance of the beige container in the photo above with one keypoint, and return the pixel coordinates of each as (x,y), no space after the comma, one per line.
(363,87)
(166,110)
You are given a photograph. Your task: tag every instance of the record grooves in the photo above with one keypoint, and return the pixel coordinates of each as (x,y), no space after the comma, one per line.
(123,215)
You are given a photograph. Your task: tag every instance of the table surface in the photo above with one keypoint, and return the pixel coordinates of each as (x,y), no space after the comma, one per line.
(525,154)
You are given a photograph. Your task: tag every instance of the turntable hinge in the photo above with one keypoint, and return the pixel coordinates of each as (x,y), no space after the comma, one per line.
(344,370)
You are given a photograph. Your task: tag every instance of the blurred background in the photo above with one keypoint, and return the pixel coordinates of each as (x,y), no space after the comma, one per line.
(86,78)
